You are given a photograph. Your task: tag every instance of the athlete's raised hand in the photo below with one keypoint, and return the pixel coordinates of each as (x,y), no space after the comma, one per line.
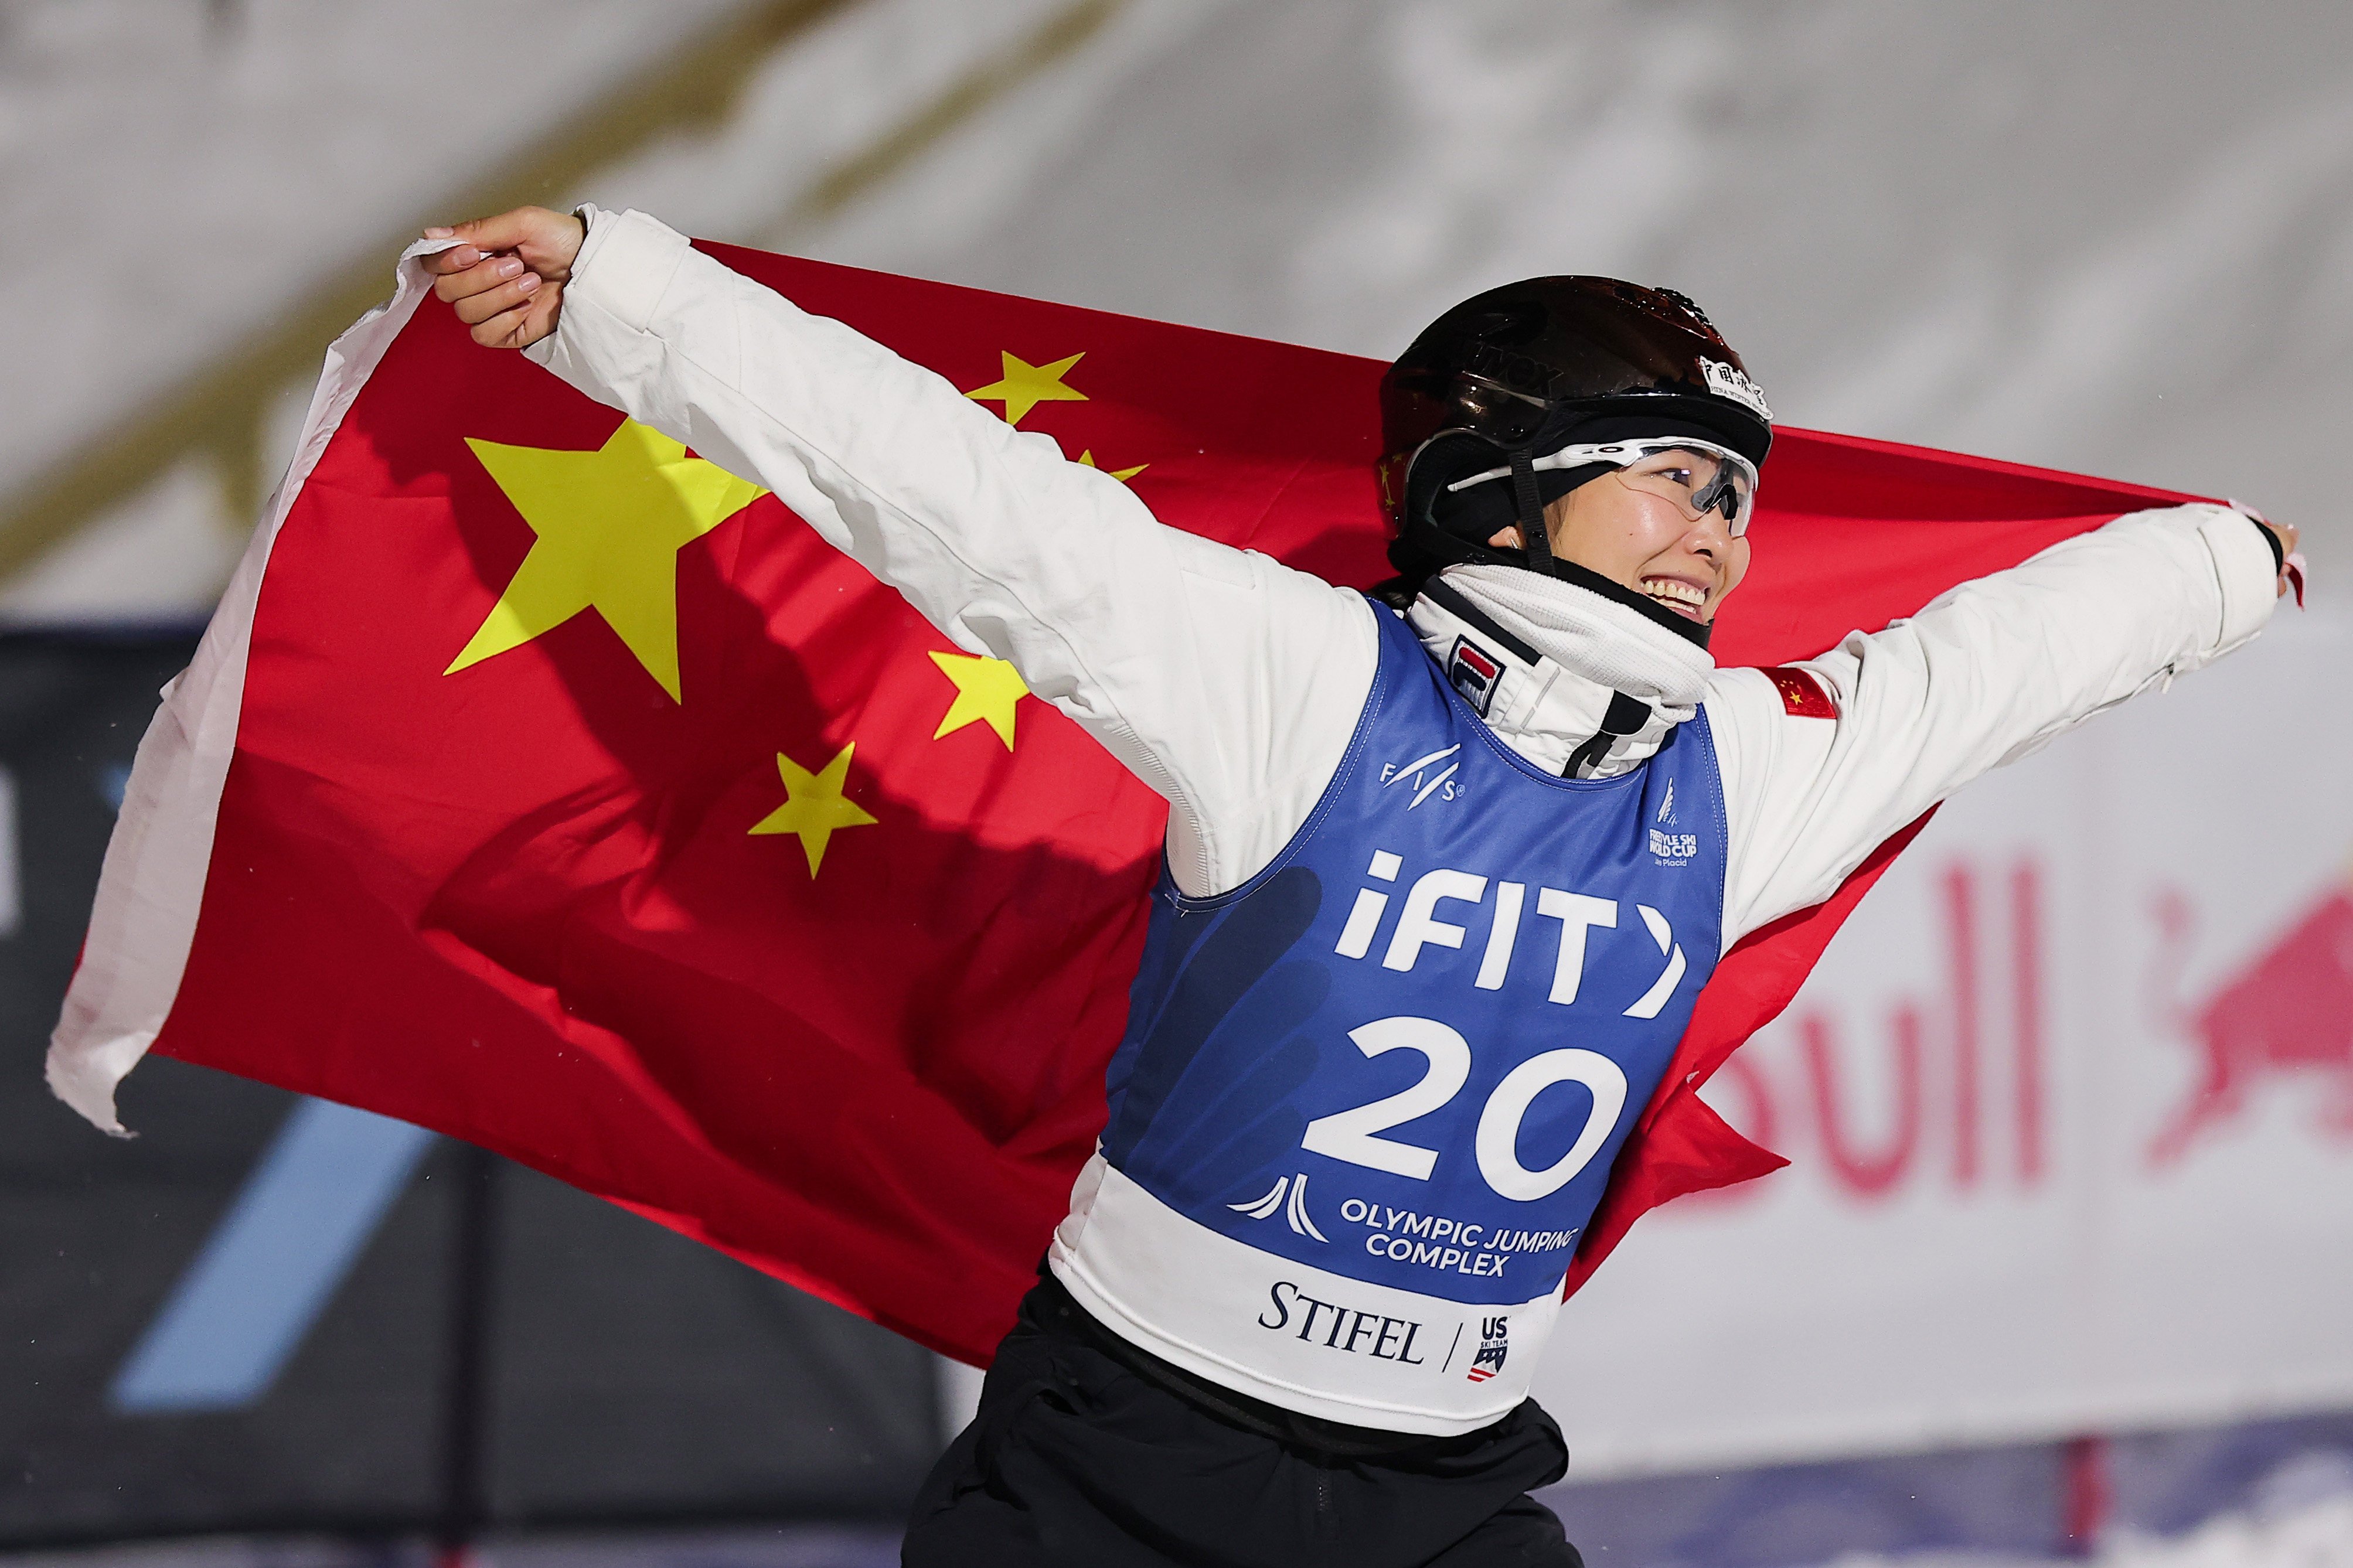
(507,280)
(2291,577)
(2284,537)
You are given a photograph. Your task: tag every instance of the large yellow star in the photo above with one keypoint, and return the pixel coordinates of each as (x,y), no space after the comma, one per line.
(1025,386)
(987,689)
(814,805)
(610,523)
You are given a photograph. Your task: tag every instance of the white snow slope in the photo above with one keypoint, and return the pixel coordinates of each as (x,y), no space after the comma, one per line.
(2110,236)
(2107,236)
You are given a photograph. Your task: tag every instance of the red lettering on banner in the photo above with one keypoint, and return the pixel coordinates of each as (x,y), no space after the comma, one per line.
(1867,1176)
(2026,1020)
(1937,1059)
(1960,929)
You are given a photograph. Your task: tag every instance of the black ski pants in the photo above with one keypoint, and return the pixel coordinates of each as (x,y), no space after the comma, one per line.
(1086,1452)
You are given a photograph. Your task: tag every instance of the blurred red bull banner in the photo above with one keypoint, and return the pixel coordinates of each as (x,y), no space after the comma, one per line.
(2071,1113)
(2288,1011)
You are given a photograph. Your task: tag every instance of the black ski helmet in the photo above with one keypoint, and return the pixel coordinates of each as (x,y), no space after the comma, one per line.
(1520,371)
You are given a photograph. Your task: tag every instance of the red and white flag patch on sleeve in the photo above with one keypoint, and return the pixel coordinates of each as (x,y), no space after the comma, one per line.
(1801,693)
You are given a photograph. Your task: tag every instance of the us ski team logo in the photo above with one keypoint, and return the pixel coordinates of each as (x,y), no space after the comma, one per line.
(1494,1345)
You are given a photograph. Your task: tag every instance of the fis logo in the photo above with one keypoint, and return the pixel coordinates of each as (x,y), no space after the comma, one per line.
(1494,1346)
(1296,1210)
(1428,778)
(1474,672)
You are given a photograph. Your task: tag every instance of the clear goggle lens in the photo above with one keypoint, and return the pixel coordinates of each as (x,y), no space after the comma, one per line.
(1698,476)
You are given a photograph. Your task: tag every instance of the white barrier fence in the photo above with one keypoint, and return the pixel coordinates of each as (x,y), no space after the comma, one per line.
(2070,1108)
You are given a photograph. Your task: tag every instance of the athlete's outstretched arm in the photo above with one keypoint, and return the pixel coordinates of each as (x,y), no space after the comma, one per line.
(1227,683)
(1984,675)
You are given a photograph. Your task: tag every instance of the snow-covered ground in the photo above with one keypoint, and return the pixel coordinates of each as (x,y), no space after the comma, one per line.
(2311,1533)
(174,171)
(213,161)
(2112,237)
(2291,1530)
(2316,1535)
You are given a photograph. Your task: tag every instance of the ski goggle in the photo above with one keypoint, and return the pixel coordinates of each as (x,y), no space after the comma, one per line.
(1697,476)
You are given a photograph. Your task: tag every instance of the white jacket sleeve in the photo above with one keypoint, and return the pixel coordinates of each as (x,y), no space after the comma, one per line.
(1226,681)
(1984,675)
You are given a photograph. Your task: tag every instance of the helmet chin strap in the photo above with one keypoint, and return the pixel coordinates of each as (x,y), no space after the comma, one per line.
(1536,555)
(1627,714)
(1535,541)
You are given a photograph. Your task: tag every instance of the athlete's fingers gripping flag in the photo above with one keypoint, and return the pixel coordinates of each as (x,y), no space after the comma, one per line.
(543,784)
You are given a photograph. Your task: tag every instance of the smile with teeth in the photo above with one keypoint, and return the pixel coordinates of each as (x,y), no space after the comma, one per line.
(1674,593)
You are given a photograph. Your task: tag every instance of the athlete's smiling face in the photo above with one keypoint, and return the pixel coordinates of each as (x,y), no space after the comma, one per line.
(1635,535)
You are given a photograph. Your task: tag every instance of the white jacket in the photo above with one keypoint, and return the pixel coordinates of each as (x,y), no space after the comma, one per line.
(1231,684)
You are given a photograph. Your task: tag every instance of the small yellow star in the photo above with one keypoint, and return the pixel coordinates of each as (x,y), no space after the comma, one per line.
(1025,386)
(986,688)
(814,805)
(1121,475)
(610,525)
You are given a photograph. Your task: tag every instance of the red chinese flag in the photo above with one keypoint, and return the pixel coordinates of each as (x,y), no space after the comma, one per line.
(541,783)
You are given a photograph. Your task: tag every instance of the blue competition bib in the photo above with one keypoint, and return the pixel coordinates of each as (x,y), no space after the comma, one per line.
(1409,1051)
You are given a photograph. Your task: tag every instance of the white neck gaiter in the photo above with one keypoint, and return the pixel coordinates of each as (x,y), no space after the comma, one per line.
(1565,654)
